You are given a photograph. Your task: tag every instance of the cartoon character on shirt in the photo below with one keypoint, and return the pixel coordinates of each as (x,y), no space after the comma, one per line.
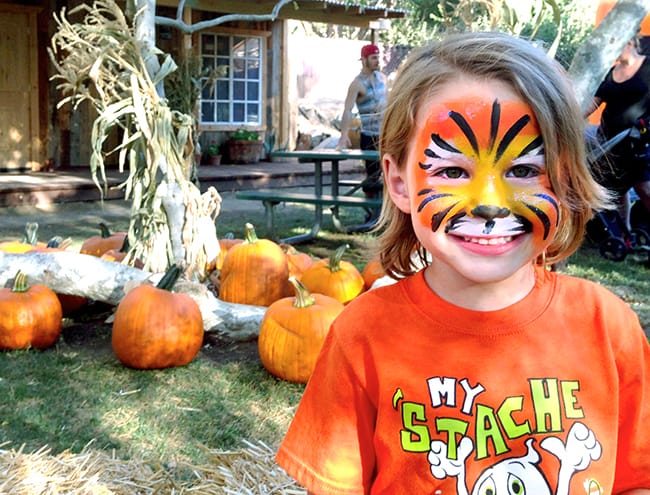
(519,475)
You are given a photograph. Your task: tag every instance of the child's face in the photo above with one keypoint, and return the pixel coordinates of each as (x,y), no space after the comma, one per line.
(475,182)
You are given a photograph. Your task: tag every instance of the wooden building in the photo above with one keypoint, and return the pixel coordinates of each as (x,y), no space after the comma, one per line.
(35,135)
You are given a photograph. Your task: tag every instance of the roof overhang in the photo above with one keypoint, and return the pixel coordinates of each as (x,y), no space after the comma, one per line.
(326,11)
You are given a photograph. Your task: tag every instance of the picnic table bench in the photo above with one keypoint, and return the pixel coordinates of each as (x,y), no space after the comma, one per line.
(272,197)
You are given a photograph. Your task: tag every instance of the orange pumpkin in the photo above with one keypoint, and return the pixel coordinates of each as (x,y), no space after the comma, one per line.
(56,243)
(254,272)
(69,303)
(155,328)
(225,244)
(30,316)
(334,277)
(292,333)
(27,244)
(372,271)
(116,255)
(298,261)
(119,255)
(99,244)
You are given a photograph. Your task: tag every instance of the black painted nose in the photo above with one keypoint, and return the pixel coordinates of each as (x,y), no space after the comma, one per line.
(490,212)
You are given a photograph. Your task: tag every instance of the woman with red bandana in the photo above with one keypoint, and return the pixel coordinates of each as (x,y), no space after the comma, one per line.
(484,372)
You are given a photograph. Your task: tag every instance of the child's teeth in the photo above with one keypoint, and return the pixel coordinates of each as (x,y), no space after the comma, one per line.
(493,241)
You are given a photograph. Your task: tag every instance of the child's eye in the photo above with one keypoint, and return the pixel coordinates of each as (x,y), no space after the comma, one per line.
(523,172)
(451,173)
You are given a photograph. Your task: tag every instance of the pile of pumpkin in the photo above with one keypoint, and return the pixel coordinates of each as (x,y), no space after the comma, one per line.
(154,327)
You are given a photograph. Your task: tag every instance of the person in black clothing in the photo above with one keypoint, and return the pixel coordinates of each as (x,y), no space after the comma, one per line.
(626,94)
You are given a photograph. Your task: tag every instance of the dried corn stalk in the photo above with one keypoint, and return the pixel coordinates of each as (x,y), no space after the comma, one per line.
(101,60)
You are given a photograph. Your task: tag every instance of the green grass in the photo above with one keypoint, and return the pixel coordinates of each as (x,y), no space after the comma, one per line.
(629,279)
(77,392)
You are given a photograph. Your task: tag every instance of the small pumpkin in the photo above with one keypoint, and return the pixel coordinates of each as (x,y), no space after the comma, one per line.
(28,243)
(155,328)
(298,261)
(225,243)
(99,244)
(293,330)
(30,316)
(70,303)
(334,277)
(254,272)
(56,243)
(372,271)
(119,255)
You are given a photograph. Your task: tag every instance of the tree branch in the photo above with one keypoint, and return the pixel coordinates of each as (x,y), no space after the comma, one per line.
(101,280)
(601,49)
(179,24)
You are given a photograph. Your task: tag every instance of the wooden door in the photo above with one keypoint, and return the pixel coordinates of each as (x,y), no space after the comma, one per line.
(18,91)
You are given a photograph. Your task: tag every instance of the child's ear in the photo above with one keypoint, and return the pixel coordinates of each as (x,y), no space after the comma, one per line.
(395,179)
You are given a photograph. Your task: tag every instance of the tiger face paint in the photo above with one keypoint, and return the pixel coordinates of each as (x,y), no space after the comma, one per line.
(480,173)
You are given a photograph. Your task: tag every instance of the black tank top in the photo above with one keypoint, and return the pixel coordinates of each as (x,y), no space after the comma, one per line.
(625,101)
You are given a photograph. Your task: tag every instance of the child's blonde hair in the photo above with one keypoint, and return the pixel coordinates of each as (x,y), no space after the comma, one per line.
(540,82)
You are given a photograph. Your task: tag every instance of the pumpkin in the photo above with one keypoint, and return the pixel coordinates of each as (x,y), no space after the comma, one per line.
(372,271)
(115,255)
(292,333)
(99,244)
(56,243)
(334,277)
(27,244)
(155,328)
(30,316)
(70,303)
(119,255)
(254,272)
(298,261)
(225,244)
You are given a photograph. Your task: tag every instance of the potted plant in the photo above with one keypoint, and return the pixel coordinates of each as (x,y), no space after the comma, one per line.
(214,153)
(244,146)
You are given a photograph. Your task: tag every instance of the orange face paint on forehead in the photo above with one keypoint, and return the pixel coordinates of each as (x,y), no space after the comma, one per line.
(481,129)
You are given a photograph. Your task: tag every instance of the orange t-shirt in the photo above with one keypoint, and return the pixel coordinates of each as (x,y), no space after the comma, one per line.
(412,395)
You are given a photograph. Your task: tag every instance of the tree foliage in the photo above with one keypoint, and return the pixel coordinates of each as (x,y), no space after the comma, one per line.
(430,19)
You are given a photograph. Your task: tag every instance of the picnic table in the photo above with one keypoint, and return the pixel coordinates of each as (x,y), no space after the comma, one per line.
(335,199)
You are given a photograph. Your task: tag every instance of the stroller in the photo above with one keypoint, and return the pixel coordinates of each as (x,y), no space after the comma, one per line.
(607,228)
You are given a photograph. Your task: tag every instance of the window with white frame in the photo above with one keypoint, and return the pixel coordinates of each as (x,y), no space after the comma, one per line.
(236,96)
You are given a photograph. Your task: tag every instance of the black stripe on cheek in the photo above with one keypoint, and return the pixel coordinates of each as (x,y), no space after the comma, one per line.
(543,217)
(525,225)
(465,128)
(437,219)
(452,224)
(551,200)
(428,199)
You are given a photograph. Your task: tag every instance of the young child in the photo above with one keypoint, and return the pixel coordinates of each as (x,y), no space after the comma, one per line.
(483,373)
